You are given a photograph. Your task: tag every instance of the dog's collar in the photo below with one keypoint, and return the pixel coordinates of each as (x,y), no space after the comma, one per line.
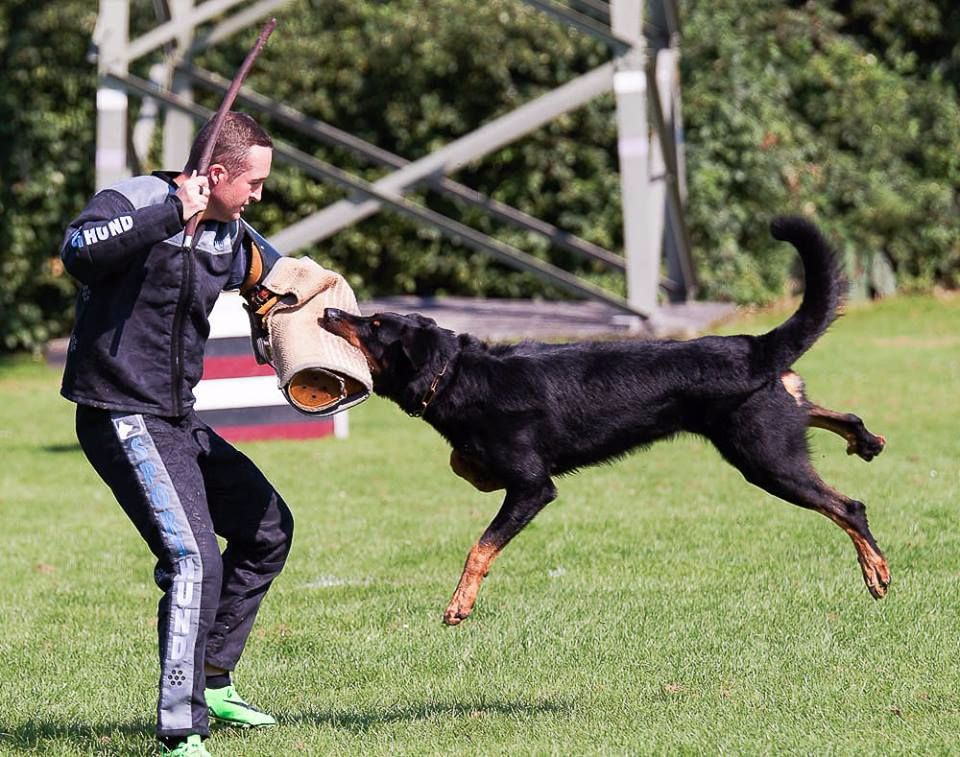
(431,393)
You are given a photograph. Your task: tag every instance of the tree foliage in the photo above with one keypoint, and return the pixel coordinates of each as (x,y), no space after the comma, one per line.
(785,110)
(46,159)
(847,111)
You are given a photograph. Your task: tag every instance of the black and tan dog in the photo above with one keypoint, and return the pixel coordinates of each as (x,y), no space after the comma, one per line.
(518,415)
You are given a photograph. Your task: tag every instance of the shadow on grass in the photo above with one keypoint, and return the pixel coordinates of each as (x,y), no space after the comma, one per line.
(57,449)
(359,721)
(94,739)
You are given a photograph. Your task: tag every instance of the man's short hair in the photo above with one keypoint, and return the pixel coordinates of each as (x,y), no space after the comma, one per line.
(237,135)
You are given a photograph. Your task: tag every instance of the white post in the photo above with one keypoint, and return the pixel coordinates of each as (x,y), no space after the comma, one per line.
(341,425)
(178,126)
(146,124)
(111,36)
(641,162)
(667,77)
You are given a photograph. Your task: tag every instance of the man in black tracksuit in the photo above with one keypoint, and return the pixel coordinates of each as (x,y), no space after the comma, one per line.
(135,355)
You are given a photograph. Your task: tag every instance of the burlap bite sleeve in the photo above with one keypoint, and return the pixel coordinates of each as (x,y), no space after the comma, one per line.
(319,373)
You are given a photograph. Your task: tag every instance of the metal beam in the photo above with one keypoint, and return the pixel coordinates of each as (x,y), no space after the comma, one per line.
(175,27)
(594,8)
(317,129)
(237,22)
(149,114)
(651,163)
(456,231)
(671,13)
(596,21)
(448,159)
(453,230)
(642,187)
(584,23)
(143,88)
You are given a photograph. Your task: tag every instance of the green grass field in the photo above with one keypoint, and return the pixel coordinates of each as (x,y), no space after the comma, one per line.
(660,606)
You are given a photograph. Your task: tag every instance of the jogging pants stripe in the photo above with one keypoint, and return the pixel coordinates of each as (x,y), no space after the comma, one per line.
(177,656)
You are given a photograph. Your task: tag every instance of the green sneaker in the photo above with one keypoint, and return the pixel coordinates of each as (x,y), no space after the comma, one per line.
(192,747)
(226,706)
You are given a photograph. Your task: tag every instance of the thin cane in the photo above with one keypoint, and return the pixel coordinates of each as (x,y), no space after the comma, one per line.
(191,228)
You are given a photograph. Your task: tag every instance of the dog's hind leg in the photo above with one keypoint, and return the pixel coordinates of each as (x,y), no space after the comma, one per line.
(849,514)
(859,440)
(519,507)
(769,448)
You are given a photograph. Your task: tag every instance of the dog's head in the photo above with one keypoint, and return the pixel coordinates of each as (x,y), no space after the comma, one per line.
(405,352)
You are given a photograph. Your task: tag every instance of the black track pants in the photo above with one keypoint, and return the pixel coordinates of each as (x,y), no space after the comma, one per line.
(182,485)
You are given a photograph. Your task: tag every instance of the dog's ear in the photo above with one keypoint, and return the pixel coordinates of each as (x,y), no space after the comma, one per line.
(423,320)
(418,344)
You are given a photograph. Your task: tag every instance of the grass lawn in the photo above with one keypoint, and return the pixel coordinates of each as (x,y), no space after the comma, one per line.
(659,606)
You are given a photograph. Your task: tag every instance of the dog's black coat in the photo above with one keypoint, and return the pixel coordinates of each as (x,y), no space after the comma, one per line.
(517,415)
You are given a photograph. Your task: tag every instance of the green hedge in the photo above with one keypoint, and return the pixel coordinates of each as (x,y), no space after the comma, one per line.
(851,118)
(785,111)
(47,96)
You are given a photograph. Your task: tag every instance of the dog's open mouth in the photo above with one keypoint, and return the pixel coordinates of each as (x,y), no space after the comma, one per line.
(338,323)
(337,326)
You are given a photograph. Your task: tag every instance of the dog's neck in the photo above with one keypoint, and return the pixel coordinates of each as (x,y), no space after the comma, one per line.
(437,385)
(424,390)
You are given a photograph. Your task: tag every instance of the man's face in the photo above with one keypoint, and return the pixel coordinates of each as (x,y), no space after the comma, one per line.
(230,193)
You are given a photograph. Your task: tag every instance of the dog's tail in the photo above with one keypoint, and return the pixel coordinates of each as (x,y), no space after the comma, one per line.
(823,293)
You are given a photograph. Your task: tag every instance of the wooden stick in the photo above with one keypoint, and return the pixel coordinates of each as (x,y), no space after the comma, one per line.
(228,98)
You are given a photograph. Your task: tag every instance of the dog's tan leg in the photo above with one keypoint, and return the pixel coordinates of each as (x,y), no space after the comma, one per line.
(521,503)
(773,456)
(873,565)
(859,440)
(810,491)
(474,571)
(850,514)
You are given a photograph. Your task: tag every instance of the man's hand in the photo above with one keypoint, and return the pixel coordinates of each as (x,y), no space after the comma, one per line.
(194,194)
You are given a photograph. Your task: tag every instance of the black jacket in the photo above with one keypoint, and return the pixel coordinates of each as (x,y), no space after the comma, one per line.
(143,307)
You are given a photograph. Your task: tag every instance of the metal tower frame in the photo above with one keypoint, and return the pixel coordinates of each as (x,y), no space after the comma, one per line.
(643,74)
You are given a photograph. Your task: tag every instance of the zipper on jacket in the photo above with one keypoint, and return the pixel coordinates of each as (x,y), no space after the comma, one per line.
(176,343)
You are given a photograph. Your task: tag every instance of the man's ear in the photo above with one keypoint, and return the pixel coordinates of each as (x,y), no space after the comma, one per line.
(216,173)
(418,344)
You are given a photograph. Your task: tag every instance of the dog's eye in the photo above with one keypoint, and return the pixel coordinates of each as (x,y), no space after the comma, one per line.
(375,324)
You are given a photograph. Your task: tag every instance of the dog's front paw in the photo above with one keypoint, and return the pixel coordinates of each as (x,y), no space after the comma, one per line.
(457,611)
(454,615)
(876,575)
(474,571)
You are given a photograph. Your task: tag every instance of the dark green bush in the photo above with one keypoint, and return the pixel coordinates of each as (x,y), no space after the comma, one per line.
(47,97)
(785,112)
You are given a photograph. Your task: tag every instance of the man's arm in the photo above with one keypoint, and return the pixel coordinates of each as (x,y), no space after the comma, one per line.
(110,232)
